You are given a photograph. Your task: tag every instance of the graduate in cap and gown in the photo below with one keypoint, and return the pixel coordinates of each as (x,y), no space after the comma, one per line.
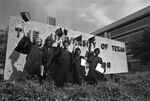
(48,55)
(93,75)
(78,71)
(63,65)
(34,54)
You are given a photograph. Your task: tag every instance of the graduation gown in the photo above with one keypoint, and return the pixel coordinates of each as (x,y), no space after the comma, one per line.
(48,54)
(62,67)
(93,75)
(34,56)
(49,61)
(77,70)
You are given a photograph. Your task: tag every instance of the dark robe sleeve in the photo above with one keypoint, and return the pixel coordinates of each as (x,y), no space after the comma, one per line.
(71,61)
(73,58)
(57,51)
(24,45)
(90,59)
(100,60)
(44,56)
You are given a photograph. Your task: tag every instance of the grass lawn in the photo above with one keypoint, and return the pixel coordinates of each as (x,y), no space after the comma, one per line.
(129,87)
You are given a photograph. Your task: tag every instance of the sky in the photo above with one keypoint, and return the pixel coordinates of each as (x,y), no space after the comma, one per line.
(82,15)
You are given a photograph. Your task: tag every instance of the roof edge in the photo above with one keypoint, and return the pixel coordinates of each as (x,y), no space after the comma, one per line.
(126,20)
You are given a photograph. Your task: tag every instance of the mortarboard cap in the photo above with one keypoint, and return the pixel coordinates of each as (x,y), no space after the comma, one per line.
(92,39)
(79,38)
(59,32)
(25,16)
(65,32)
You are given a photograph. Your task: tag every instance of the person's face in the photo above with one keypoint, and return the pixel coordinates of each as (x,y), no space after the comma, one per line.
(49,42)
(38,42)
(66,44)
(78,52)
(97,52)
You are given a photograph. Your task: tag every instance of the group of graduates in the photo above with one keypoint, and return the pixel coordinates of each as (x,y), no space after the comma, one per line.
(58,62)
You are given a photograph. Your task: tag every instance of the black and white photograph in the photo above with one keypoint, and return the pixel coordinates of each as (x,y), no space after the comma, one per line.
(74,50)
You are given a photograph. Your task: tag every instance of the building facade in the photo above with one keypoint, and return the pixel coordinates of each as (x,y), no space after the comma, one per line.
(126,30)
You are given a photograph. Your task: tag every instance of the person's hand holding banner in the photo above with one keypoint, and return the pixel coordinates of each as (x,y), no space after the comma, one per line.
(26,18)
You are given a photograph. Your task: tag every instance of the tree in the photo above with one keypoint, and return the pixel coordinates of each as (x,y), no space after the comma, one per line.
(140,47)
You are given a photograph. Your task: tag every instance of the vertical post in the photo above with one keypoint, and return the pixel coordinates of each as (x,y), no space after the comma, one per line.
(107,35)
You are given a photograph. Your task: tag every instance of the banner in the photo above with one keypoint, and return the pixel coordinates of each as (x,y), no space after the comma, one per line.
(113,53)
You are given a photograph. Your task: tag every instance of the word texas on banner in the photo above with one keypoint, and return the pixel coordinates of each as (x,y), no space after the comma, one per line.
(113,53)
